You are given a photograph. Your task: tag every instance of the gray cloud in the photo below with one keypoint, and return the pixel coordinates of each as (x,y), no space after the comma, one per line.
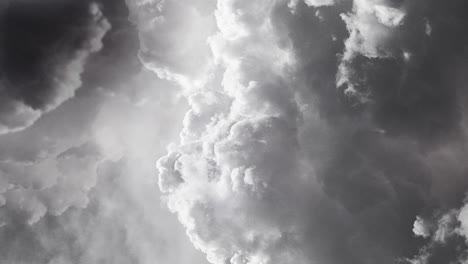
(43,55)
(333,102)
(76,184)
(303,132)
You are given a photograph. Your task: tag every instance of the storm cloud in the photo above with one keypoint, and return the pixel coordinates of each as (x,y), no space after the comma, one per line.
(325,133)
(233,131)
(45,46)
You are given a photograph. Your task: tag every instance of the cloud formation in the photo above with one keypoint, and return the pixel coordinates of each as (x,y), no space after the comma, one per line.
(320,115)
(303,131)
(43,55)
(76,184)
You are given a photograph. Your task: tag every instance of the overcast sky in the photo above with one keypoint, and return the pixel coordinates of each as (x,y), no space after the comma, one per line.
(233,132)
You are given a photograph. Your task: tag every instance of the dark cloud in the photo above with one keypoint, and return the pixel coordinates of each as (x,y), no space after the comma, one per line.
(401,125)
(415,91)
(311,131)
(44,48)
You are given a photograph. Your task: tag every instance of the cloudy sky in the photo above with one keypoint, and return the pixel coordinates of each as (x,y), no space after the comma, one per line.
(233,132)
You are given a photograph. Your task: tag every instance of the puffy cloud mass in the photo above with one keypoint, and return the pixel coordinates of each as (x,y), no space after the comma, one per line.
(276,132)
(76,183)
(318,131)
(44,52)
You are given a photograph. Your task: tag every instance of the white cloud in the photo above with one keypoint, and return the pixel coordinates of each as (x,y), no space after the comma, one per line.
(420,228)
(373,27)
(239,150)
(317,3)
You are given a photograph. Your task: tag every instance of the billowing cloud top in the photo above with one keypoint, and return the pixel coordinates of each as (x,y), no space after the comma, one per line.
(319,131)
(276,132)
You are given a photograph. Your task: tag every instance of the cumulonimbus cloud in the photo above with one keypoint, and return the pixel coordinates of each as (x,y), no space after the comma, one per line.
(319,131)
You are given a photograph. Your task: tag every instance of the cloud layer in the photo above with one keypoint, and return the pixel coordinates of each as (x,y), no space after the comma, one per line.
(285,131)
